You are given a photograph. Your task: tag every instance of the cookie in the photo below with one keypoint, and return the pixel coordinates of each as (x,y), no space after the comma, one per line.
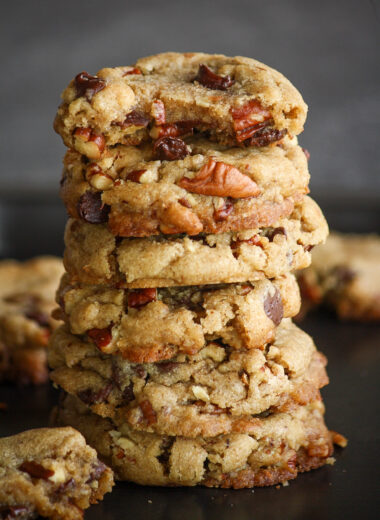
(211,189)
(281,446)
(50,472)
(93,255)
(27,291)
(218,390)
(147,325)
(171,95)
(345,275)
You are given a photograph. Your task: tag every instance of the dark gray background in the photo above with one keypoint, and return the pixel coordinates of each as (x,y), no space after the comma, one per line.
(328,48)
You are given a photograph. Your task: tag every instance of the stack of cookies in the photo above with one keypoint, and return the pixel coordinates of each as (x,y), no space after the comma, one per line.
(187,196)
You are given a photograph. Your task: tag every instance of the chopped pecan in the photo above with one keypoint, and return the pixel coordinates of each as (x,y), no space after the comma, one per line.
(86,135)
(209,79)
(91,208)
(221,180)
(184,202)
(135,118)
(88,85)
(133,70)
(273,306)
(135,175)
(177,218)
(249,119)
(141,297)
(101,337)
(338,439)
(245,289)
(97,177)
(148,412)
(170,149)
(224,212)
(35,470)
(158,111)
(253,241)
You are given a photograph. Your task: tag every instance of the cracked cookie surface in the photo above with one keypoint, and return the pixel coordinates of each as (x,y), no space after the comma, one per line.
(171,95)
(50,472)
(27,291)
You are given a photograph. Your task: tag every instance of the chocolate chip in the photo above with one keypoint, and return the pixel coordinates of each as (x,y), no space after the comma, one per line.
(273,307)
(265,135)
(166,366)
(14,512)
(90,396)
(35,470)
(88,85)
(97,472)
(135,118)
(39,317)
(91,208)
(276,231)
(209,79)
(140,371)
(170,149)
(128,394)
(224,212)
(164,456)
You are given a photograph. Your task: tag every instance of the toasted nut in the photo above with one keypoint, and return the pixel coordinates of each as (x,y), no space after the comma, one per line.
(200,393)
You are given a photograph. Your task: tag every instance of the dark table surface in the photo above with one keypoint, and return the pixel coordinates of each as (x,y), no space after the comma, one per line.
(349,489)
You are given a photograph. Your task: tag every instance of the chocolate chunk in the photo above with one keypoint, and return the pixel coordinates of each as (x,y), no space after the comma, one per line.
(97,472)
(88,85)
(273,307)
(166,366)
(39,317)
(91,208)
(90,396)
(14,512)
(35,470)
(170,149)
(164,456)
(276,231)
(128,394)
(135,118)
(209,79)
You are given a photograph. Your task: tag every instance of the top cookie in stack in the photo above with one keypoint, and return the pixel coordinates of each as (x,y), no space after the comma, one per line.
(187,196)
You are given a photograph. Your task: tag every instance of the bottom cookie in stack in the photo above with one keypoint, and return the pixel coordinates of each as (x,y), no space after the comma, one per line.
(220,418)
(281,446)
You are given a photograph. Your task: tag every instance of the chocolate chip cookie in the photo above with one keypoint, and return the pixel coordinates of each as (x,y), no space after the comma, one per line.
(345,275)
(278,448)
(166,97)
(211,189)
(93,255)
(147,325)
(50,472)
(27,291)
(217,390)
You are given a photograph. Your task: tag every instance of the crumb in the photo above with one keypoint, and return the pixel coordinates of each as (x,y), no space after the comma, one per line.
(330,460)
(285,483)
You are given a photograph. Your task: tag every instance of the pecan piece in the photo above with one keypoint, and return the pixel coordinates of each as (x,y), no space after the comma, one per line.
(273,306)
(101,337)
(89,143)
(148,412)
(35,470)
(170,149)
(97,177)
(224,212)
(249,119)
(88,85)
(133,70)
(178,218)
(135,175)
(91,208)
(158,111)
(135,118)
(174,129)
(141,297)
(221,180)
(209,79)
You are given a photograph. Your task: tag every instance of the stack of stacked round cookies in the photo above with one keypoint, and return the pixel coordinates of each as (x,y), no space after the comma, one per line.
(187,193)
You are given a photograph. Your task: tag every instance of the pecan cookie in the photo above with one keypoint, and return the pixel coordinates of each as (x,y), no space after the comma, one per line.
(94,255)
(50,472)
(280,446)
(168,96)
(211,189)
(147,325)
(345,274)
(27,292)
(218,390)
